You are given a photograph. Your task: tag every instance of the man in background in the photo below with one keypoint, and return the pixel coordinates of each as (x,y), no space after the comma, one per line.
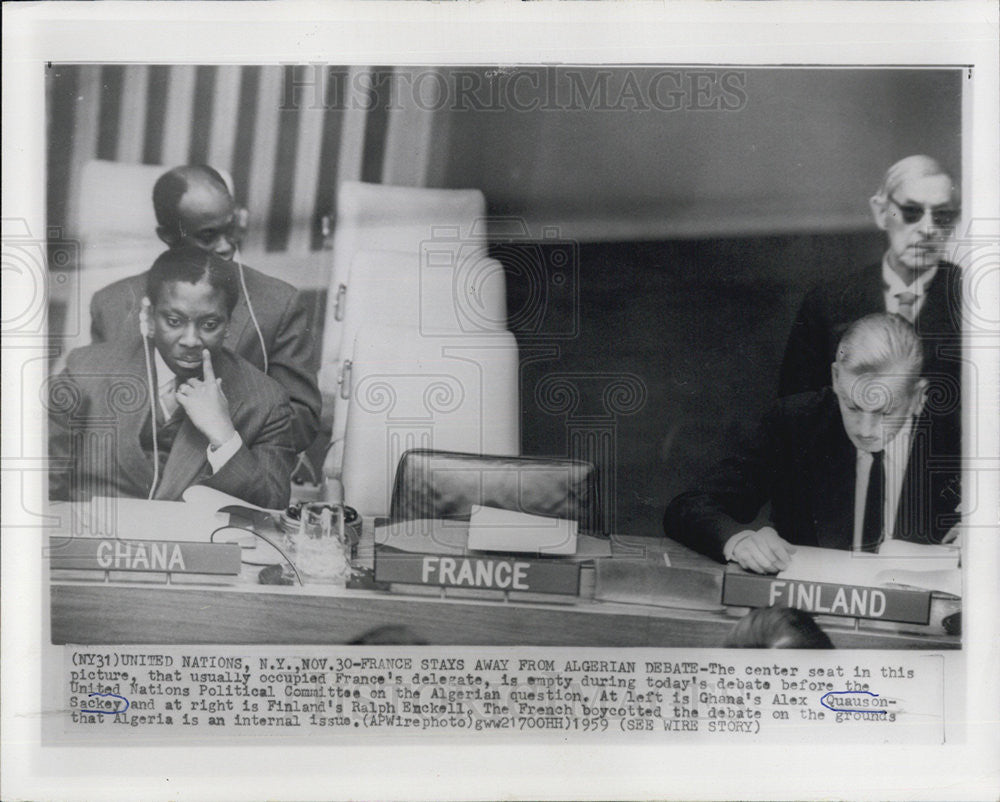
(843,467)
(917,206)
(269,324)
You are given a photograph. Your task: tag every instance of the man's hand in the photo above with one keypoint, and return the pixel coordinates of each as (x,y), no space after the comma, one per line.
(763,551)
(206,405)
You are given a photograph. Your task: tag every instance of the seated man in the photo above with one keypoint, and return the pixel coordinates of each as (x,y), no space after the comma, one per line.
(269,326)
(842,467)
(152,415)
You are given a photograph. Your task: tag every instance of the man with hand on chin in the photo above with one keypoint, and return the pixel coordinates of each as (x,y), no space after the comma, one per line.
(152,416)
(268,326)
(846,467)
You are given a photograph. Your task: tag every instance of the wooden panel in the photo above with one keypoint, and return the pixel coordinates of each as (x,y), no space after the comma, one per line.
(352,138)
(306,177)
(261,179)
(224,116)
(177,121)
(95,613)
(132,122)
(246,612)
(408,139)
(85,137)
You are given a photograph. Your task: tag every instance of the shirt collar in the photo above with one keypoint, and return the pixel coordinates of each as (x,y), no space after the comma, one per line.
(165,377)
(897,450)
(894,284)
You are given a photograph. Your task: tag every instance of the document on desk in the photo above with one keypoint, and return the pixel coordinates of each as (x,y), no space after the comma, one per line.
(493,529)
(436,536)
(898,562)
(208,498)
(139,519)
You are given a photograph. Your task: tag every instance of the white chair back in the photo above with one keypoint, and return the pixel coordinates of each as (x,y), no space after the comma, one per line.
(390,288)
(411,390)
(443,226)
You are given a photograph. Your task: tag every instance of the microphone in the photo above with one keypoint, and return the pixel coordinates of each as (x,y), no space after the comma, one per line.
(146,332)
(144,328)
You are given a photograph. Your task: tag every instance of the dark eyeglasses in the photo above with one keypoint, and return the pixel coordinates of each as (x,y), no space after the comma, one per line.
(914,213)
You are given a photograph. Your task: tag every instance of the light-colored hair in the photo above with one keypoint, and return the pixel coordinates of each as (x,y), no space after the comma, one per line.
(881,343)
(918,166)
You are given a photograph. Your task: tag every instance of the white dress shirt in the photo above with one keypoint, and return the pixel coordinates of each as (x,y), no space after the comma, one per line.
(894,286)
(895,459)
(166,383)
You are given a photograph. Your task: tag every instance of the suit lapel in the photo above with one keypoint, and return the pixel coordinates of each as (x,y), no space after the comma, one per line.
(241,338)
(860,296)
(188,460)
(832,485)
(940,311)
(914,510)
(871,296)
(239,325)
(136,467)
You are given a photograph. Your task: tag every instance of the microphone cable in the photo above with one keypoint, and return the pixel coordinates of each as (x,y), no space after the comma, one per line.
(253,316)
(144,330)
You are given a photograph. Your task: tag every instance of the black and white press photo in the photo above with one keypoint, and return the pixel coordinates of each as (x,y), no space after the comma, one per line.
(383,412)
(663,343)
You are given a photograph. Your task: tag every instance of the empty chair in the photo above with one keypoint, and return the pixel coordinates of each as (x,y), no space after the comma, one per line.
(411,390)
(444,227)
(389,288)
(446,485)
(116,228)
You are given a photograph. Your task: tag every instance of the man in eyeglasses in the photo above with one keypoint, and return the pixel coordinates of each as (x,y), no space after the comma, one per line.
(917,206)
(269,325)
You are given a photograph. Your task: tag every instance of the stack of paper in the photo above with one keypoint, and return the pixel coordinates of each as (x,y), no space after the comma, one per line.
(897,563)
(138,519)
(493,529)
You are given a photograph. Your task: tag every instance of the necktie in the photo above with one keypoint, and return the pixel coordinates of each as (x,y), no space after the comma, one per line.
(907,304)
(168,398)
(871,528)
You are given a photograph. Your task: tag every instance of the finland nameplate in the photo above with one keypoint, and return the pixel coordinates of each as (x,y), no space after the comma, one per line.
(827,598)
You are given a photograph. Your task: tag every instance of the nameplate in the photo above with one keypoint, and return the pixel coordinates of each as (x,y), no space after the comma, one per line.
(112,554)
(825,598)
(486,573)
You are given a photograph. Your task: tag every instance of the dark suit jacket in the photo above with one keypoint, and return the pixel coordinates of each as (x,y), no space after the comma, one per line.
(99,403)
(801,461)
(283,321)
(829,308)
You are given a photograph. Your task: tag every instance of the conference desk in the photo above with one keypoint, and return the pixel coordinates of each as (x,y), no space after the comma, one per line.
(239,610)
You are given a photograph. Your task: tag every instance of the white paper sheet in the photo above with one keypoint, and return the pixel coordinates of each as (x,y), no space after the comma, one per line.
(895,559)
(209,498)
(492,529)
(138,519)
